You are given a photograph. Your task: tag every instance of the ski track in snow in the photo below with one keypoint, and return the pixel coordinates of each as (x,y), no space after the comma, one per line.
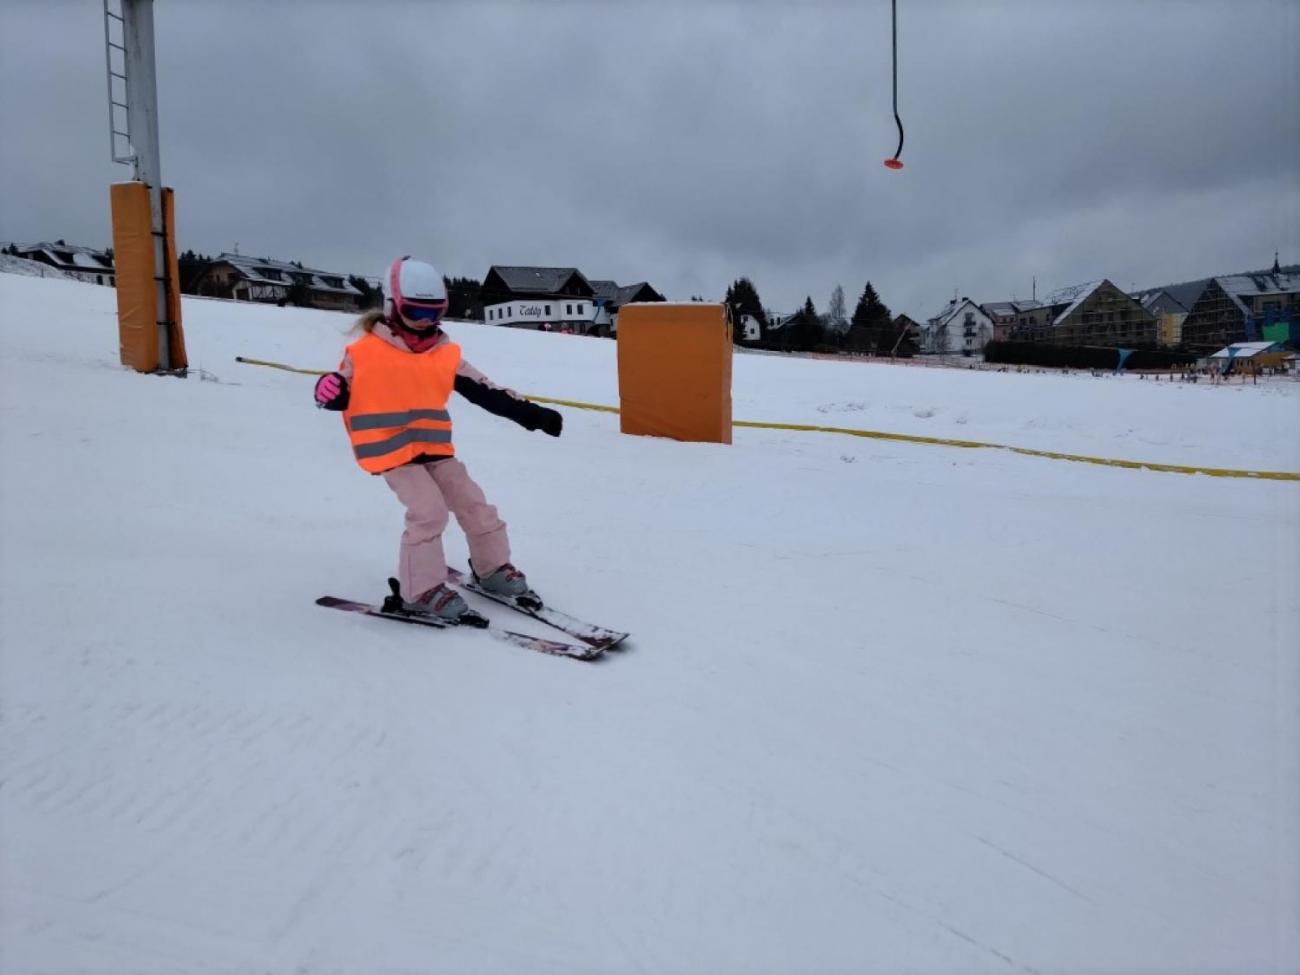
(915,709)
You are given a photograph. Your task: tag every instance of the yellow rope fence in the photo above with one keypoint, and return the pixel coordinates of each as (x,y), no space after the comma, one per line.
(903,437)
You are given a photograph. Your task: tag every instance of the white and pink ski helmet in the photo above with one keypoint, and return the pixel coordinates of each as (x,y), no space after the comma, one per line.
(416,294)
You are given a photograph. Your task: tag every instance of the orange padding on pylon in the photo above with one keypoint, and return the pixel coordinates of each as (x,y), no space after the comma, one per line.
(674,371)
(175,333)
(134,270)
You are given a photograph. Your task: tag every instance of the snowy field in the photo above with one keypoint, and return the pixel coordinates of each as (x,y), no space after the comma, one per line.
(887,707)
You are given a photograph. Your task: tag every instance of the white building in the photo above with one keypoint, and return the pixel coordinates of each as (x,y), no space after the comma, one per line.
(751,330)
(554,313)
(557,299)
(961,327)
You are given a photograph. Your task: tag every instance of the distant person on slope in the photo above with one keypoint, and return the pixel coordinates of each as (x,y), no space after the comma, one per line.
(393,387)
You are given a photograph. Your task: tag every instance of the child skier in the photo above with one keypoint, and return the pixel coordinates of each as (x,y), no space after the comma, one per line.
(392,388)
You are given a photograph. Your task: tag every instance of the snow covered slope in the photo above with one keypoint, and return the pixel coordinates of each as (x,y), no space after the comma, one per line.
(886,707)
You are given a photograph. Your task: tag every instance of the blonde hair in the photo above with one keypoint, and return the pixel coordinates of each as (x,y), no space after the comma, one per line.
(368,320)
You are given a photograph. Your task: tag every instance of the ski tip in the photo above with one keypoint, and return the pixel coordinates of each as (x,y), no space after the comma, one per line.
(590,653)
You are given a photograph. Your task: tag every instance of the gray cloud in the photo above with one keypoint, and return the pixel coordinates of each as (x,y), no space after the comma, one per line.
(1148,141)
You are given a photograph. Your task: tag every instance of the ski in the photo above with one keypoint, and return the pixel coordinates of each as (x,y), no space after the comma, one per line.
(596,637)
(541,645)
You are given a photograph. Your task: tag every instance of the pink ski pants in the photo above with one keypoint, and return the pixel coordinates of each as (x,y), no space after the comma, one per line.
(432,492)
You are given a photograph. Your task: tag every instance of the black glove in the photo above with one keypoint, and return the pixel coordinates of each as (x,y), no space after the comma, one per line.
(549,421)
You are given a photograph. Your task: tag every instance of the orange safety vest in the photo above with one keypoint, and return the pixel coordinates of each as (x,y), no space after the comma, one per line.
(397,409)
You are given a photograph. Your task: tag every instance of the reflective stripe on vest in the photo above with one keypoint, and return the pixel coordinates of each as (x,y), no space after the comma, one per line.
(378,421)
(382,447)
(397,409)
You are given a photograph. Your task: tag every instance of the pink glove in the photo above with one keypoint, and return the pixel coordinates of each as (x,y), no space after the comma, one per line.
(332,392)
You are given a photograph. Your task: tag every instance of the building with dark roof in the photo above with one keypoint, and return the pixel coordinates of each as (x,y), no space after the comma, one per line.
(504,283)
(1245,308)
(82,263)
(277,282)
(1170,314)
(1187,292)
(560,298)
(1005,314)
(1095,313)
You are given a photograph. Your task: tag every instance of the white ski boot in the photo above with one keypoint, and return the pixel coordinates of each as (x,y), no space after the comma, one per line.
(508,584)
(442,601)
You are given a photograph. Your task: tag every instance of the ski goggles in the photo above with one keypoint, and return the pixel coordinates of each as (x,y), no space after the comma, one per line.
(425,314)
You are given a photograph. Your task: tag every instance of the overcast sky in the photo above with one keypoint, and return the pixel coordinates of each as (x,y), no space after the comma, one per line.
(1148,141)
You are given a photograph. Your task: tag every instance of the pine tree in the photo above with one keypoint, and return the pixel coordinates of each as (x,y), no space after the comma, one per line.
(464,298)
(370,296)
(809,334)
(190,266)
(873,321)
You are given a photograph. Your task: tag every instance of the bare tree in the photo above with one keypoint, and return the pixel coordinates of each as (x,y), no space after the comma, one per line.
(936,338)
(837,316)
(939,338)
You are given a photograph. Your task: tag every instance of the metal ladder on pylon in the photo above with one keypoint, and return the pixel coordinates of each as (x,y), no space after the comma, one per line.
(110,45)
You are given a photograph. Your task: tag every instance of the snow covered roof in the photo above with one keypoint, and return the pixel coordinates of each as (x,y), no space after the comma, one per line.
(1187,292)
(71,256)
(89,261)
(1070,298)
(261,270)
(1159,302)
(1071,293)
(69,248)
(1238,286)
(1245,350)
(1004,308)
(951,309)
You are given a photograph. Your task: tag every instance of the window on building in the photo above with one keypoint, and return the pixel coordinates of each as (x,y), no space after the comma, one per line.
(568,309)
(582,309)
(548,311)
